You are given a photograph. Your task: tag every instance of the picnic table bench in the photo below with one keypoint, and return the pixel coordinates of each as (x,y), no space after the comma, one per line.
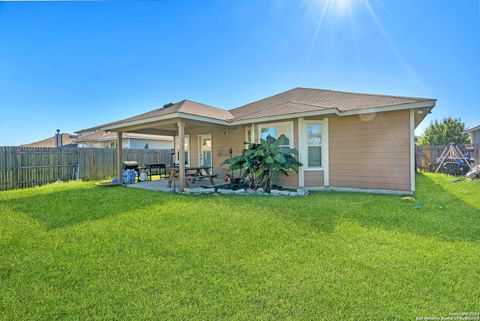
(192,174)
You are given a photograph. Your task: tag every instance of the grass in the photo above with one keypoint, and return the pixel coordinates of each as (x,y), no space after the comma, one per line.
(76,252)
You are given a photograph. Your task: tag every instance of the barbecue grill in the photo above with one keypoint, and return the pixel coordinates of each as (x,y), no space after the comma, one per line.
(132,165)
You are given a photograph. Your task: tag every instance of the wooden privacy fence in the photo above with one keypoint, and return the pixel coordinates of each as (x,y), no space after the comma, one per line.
(426,156)
(32,166)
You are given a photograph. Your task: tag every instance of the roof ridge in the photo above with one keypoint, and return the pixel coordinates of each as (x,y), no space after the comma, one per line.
(180,103)
(206,105)
(200,103)
(291,102)
(366,94)
(253,102)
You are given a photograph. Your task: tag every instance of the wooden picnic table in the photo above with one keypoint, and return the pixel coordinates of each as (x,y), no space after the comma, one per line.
(192,174)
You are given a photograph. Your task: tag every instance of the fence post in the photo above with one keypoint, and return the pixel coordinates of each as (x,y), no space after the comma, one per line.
(32,166)
(119,157)
(18,165)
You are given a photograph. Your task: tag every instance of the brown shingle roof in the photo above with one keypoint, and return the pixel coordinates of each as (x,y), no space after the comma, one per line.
(67,139)
(306,99)
(297,100)
(187,107)
(184,106)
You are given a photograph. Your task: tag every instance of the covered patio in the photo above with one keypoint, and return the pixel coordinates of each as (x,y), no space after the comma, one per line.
(176,129)
(193,136)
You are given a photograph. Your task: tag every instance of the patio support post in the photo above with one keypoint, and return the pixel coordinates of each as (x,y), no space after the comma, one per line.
(119,157)
(181,154)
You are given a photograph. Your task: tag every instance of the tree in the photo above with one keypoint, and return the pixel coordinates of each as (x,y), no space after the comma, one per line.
(448,131)
(260,161)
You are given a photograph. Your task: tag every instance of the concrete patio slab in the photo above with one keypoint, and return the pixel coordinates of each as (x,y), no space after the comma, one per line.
(161,185)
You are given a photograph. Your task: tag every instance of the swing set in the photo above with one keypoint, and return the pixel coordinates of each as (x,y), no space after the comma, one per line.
(452,161)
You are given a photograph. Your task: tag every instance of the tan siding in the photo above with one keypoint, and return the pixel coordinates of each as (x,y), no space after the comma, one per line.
(221,143)
(370,153)
(289,181)
(363,152)
(313,178)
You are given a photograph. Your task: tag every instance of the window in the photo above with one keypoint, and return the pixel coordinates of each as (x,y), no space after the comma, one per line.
(187,149)
(248,134)
(205,150)
(276,130)
(113,144)
(314,145)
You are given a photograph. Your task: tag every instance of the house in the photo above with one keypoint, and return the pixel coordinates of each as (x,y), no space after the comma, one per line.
(346,141)
(58,140)
(97,138)
(474,135)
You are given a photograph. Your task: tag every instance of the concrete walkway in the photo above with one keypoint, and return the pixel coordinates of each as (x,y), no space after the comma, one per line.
(161,185)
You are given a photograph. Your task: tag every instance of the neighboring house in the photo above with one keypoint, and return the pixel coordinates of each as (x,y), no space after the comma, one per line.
(97,138)
(474,135)
(346,141)
(58,140)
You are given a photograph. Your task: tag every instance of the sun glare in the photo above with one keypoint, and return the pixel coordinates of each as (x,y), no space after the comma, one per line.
(336,7)
(328,12)
(342,7)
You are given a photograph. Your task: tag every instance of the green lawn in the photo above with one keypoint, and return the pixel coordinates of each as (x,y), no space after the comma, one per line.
(73,251)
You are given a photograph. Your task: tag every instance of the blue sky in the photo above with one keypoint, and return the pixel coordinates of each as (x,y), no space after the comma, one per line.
(72,65)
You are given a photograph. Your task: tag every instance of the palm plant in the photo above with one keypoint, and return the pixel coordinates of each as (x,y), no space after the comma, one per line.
(259,161)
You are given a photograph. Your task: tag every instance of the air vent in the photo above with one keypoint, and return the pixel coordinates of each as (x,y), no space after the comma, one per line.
(167,105)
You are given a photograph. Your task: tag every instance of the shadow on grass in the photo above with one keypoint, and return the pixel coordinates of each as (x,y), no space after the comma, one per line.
(78,205)
(443,215)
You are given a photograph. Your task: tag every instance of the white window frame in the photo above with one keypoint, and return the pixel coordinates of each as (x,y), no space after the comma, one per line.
(286,123)
(200,148)
(176,147)
(322,124)
(303,149)
(249,140)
